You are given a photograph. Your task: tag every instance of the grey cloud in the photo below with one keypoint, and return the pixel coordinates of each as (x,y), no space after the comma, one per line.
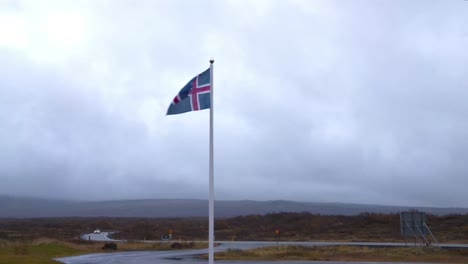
(347,102)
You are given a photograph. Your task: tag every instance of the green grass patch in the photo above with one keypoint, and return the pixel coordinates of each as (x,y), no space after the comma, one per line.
(35,253)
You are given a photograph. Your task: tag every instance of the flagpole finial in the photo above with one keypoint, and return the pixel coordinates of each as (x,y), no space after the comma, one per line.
(211,60)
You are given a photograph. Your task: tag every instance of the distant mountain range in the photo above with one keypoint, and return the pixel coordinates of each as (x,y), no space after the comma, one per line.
(20,207)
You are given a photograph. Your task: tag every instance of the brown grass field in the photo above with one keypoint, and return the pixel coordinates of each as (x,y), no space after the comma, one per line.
(292,226)
(349,253)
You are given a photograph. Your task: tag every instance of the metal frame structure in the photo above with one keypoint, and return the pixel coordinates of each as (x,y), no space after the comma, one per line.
(414,223)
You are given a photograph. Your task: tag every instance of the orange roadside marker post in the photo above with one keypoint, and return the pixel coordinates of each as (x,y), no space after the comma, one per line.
(277,237)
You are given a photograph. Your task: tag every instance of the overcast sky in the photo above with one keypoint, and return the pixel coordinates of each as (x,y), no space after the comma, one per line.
(324,101)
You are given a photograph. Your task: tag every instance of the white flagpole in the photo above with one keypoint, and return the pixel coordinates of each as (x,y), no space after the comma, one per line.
(211,185)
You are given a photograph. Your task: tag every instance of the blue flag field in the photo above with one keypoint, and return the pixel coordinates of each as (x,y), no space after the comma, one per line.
(194,96)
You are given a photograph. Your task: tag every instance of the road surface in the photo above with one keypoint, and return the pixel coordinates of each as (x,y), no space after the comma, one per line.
(187,256)
(104,236)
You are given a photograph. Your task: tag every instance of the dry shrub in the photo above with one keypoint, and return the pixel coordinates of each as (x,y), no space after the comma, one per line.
(44,240)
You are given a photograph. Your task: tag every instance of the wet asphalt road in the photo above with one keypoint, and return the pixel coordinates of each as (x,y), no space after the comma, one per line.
(189,256)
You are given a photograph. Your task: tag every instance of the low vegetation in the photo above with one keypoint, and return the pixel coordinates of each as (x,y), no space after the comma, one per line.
(292,226)
(349,253)
(22,240)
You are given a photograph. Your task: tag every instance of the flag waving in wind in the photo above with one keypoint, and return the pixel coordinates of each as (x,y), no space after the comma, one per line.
(194,96)
(198,95)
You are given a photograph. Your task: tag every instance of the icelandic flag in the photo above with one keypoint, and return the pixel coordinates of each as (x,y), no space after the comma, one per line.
(194,96)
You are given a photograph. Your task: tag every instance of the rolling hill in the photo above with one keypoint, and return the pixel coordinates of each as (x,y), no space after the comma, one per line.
(22,207)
